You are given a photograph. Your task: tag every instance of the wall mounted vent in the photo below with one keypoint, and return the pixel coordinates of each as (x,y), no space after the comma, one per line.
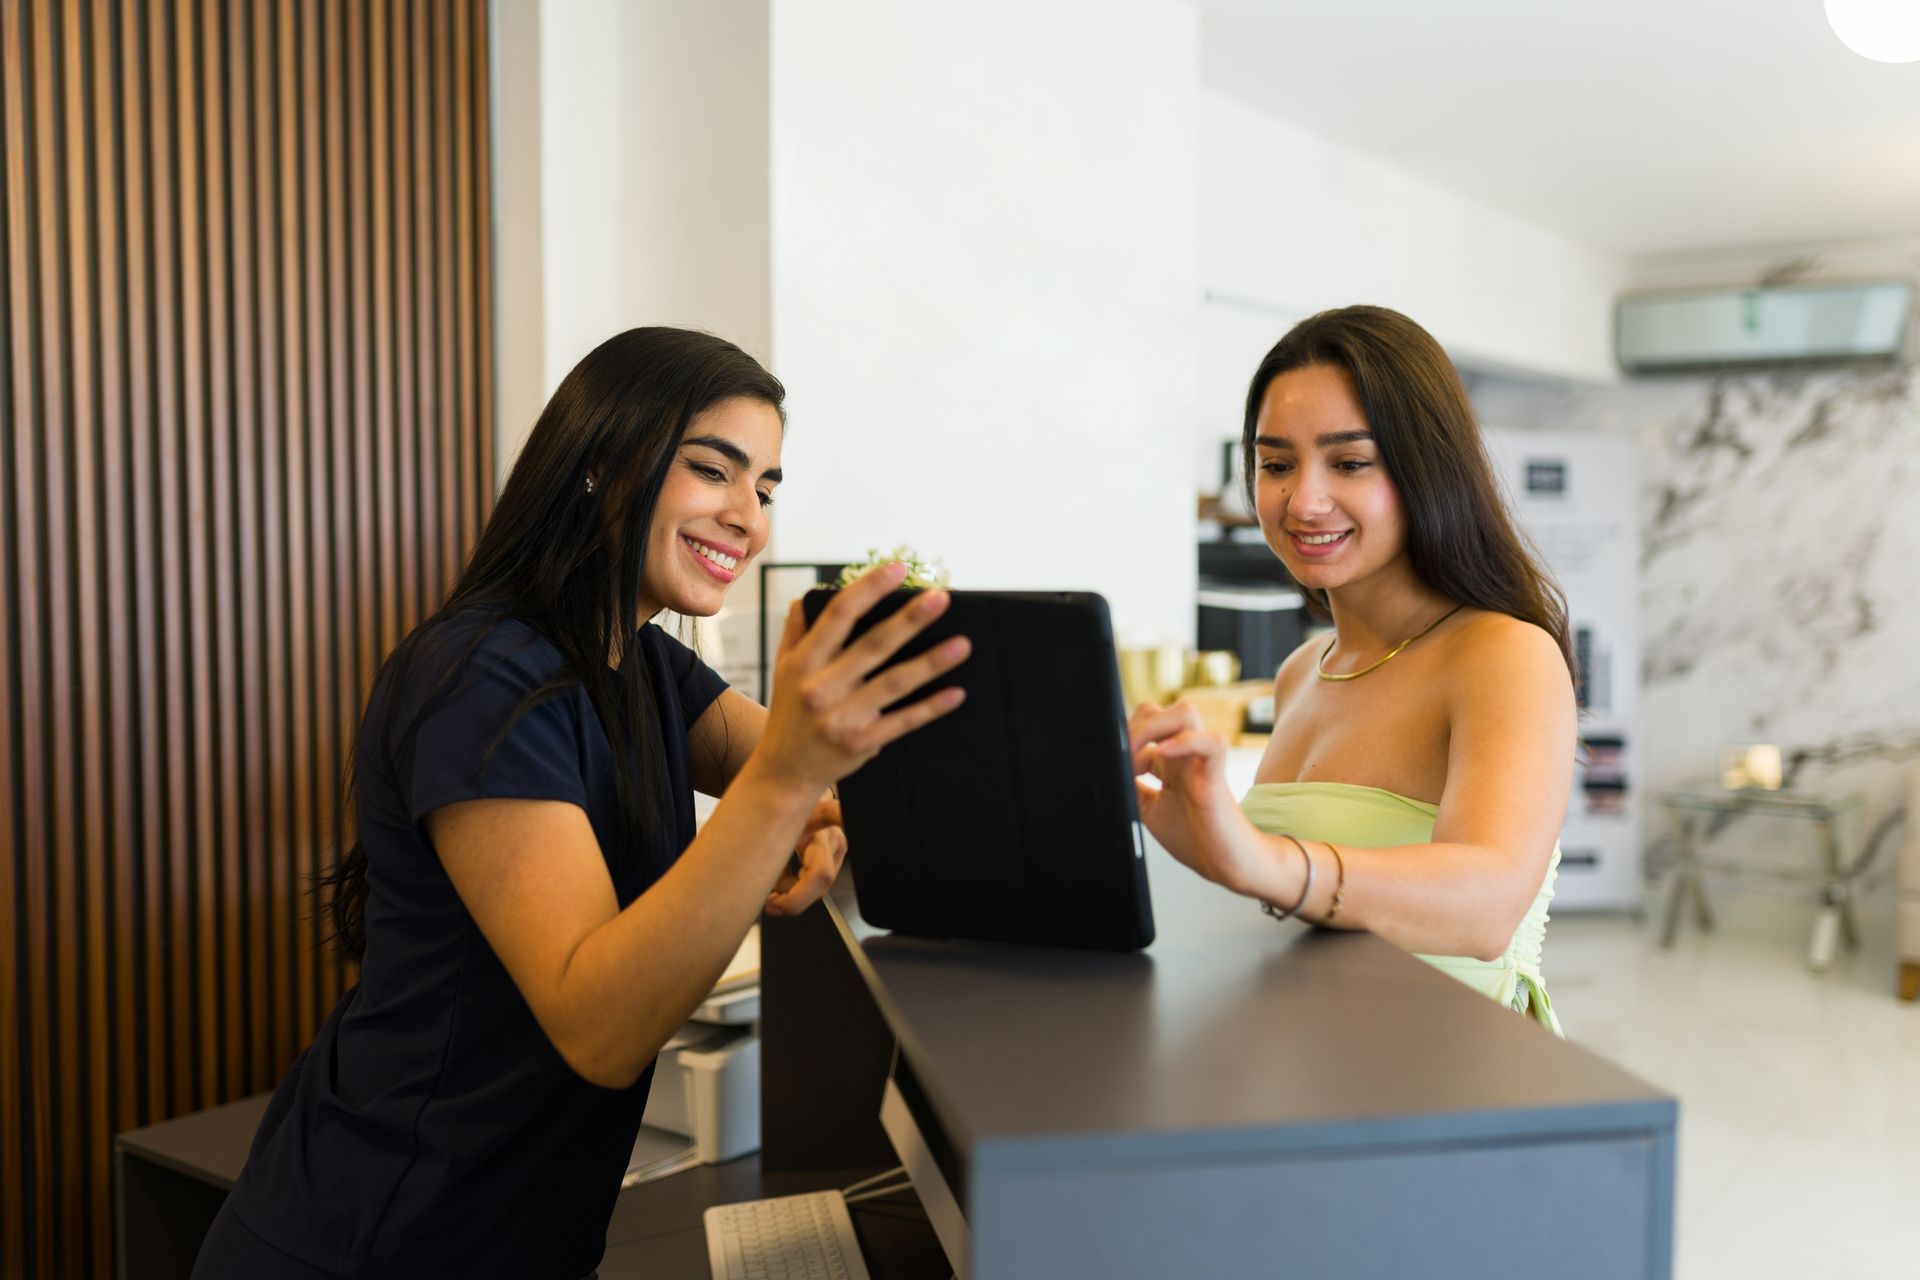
(1726,328)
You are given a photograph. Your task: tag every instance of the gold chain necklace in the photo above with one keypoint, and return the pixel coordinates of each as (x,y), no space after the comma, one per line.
(1320,667)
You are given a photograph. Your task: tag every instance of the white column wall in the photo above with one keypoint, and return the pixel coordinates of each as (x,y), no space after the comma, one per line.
(985,294)
(584,137)
(519,284)
(693,191)
(631,182)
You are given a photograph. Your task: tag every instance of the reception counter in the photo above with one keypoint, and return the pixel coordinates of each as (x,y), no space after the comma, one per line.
(1244,1098)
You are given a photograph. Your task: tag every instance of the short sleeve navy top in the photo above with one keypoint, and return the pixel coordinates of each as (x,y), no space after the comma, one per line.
(432,1128)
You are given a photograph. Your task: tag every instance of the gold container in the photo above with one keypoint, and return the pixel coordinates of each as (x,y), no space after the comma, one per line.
(1212,668)
(1152,675)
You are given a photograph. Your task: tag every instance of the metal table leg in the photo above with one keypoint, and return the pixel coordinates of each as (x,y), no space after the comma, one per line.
(1826,929)
(1702,913)
(1685,877)
(1836,922)
(1847,855)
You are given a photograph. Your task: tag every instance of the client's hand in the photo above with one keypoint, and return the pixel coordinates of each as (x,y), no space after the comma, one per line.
(1191,812)
(822,847)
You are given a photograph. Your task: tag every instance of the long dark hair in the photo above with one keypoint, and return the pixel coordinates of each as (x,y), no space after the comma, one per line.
(1461,539)
(568,560)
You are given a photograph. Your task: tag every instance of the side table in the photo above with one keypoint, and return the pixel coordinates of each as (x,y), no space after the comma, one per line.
(1841,862)
(170,1179)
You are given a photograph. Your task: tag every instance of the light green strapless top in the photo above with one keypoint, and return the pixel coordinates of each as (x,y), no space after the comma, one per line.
(1370,818)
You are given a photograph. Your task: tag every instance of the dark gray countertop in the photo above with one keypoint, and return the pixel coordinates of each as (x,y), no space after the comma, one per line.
(1232,1033)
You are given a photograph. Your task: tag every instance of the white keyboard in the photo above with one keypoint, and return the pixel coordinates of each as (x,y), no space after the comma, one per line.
(787,1238)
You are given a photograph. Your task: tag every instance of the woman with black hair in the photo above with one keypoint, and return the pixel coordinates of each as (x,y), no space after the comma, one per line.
(533,912)
(1421,758)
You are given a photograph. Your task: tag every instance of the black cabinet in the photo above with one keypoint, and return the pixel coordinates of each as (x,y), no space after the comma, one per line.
(1248,604)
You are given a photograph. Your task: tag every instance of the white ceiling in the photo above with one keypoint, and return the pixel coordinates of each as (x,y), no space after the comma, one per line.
(1641,126)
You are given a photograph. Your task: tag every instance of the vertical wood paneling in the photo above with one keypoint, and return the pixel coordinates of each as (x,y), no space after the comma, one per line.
(56,496)
(342,536)
(174,882)
(315,734)
(363,593)
(220,535)
(245,373)
(121,769)
(91,940)
(281,436)
(398,459)
(477,198)
(143,709)
(12,1207)
(377,214)
(202,917)
(17,1215)
(449,406)
(469,407)
(425,344)
(438,424)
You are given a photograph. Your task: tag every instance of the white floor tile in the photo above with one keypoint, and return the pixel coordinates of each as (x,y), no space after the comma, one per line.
(1799,1145)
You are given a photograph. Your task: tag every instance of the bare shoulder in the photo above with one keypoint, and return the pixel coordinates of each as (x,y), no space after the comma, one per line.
(1293,672)
(1495,654)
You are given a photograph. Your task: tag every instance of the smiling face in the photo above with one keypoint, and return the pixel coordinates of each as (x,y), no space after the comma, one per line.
(1326,504)
(711,519)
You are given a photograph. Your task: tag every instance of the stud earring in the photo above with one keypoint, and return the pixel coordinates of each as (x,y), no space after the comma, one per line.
(589,484)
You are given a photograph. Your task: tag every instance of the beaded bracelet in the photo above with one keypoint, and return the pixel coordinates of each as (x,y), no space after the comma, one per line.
(1305,889)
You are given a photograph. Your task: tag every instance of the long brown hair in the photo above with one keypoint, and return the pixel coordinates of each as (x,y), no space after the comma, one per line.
(1461,538)
(548,556)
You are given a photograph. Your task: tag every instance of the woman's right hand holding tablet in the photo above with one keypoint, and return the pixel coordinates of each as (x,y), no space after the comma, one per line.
(1192,813)
(830,713)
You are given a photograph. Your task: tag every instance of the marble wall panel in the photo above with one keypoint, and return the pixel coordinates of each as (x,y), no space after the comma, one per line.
(1780,571)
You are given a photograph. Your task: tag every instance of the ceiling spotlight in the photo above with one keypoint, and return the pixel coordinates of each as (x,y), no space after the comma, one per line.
(1883,30)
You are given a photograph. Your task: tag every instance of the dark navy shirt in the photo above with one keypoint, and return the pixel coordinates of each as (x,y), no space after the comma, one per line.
(432,1128)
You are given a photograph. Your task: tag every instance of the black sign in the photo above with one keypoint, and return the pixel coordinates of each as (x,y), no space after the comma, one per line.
(1547,476)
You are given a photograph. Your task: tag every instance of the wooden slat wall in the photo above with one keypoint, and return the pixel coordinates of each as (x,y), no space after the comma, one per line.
(246,379)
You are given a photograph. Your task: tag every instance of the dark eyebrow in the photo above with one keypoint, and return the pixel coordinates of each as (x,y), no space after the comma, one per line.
(733,453)
(1331,438)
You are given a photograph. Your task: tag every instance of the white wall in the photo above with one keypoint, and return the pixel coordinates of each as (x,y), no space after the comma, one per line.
(1291,223)
(985,291)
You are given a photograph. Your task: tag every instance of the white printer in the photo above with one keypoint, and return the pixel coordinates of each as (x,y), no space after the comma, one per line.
(705,1104)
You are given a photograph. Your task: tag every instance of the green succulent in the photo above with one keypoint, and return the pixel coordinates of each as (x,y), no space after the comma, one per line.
(922,575)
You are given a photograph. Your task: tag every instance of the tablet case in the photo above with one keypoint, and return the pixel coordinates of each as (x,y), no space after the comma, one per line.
(1012,818)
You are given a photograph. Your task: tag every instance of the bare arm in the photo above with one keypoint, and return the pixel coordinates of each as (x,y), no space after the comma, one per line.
(609,986)
(722,741)
(1509,765)
(722,738)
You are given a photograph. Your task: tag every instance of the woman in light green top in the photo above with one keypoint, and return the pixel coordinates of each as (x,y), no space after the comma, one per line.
(1422,755)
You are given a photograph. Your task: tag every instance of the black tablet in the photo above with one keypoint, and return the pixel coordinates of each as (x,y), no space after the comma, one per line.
(1012,818)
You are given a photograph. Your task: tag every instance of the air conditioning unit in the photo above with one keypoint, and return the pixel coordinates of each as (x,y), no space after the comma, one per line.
(1726,328)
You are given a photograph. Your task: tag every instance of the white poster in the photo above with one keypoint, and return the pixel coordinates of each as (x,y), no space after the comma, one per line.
(1574,497)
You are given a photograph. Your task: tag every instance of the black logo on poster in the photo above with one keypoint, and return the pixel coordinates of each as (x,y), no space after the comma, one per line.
(1547,477)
